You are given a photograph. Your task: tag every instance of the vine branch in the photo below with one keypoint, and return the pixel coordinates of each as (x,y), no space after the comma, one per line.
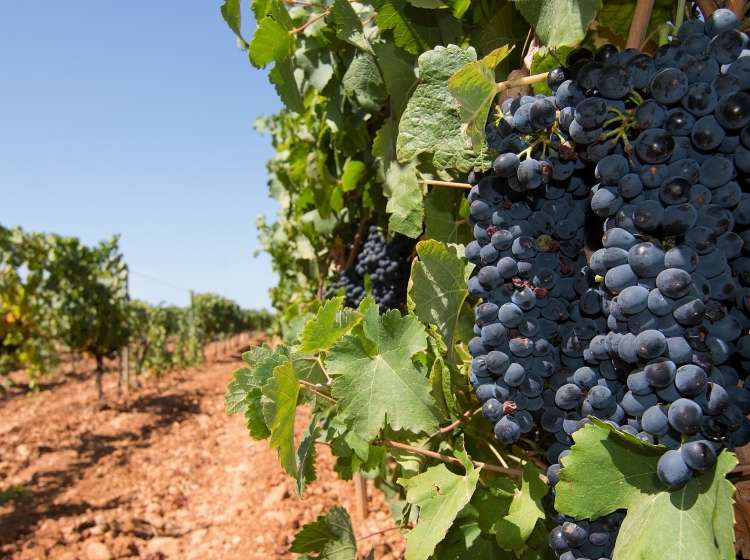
(434,183)
(525,81)
(448,459)
(639,26)
(707,7)
(313,389)
(309,22)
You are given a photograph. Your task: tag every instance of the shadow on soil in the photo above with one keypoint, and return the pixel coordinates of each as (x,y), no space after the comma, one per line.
(45,486)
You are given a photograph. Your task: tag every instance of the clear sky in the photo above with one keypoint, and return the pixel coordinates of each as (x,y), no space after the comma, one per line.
(136,118)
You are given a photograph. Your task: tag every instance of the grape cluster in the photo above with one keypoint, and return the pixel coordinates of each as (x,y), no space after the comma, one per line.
(648,334)
(385,263)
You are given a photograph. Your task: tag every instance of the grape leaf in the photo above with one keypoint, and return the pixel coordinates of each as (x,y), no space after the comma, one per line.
(437,288)
(559,22)
(331,322)
(440,495)
(606,472)
(376,381)
(330,536)
(404,200)
(513,530)
(442,392)
(283,80)
(283,390)
(397,68)
(617,471)
(244,391)
(306,456)
(391,16)
(232,14)
(431,123)
(354,172)
(474,88)
(349,26)
(384,147)
(270,43)
(363,82)
(504,26)
(443,213)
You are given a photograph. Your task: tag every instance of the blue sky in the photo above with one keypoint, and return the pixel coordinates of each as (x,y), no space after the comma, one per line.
(136,118)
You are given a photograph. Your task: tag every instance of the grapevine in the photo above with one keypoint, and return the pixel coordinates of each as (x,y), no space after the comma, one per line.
(572,335)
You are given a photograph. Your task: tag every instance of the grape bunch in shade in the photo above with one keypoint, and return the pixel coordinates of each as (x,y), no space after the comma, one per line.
(385,263)
(651,334)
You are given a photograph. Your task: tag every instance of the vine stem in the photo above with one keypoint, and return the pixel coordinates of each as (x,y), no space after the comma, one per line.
(707,7)
(639,26)
(738,7)
(313,389)
(525,81)
(450,427)
(433,183)
(376,533)
(357,242)
(310,21)
(447,459)
(680,15)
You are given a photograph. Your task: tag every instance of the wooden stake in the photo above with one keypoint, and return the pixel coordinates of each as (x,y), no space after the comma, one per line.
(360,495)
(639,26)
(738,7)
(707,7)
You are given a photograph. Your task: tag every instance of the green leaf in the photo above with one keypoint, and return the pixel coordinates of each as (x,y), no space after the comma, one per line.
(440,378)
(440,495)
(617,471)
(503,26)
(270,43)
(244,391)
(331,322)
(384,147)
(330,536)
(391,16)
(607,471)
(397,68)
(261,8)
(431,123)
(559,22)
(474,88)
(376,381)
(687,516)
(513,530)
(404,200)
(348,25)
(363,82)
(282,77)
(232,14)
(444,213)
(437,288)
(354,172)
(460,7)
(283,390)
(306,456)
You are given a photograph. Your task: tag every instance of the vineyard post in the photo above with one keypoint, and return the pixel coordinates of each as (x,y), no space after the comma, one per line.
(125,352)
(360,495)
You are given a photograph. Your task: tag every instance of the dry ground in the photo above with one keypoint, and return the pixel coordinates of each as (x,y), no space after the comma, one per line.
(161,473)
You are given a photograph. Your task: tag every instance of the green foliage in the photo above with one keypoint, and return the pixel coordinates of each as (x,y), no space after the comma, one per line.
(330,537)
(431,123)
(607,471)
(437,290)
(385,100)
(376,380)
(440,495)
(559,22)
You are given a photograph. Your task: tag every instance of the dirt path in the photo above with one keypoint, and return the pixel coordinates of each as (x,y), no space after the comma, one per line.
(165,474)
